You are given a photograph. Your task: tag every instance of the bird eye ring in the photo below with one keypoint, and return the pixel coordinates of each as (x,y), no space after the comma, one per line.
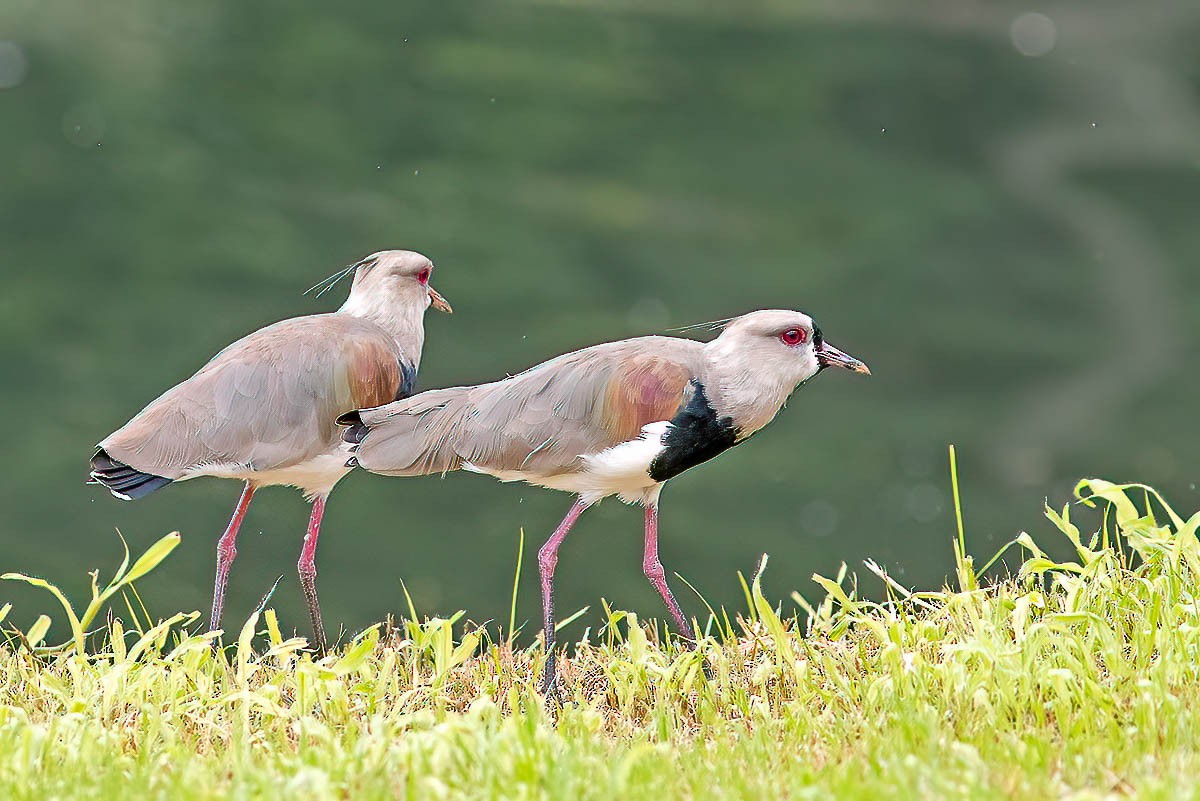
(423,276)
(794,336)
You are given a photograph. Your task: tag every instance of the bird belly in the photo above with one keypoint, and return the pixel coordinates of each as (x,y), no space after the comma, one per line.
(621,470)
(314,477)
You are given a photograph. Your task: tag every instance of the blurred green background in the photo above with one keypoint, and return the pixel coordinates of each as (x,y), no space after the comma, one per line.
(991,203)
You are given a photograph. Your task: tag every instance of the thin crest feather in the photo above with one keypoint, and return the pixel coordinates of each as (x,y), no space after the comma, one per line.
(711,325)
(329,282)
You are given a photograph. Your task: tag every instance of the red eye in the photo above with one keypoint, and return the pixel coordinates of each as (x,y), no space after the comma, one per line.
(794,336)
(423,276)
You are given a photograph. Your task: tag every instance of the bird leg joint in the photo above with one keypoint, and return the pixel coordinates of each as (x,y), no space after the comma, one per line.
(548,557)
(654,570)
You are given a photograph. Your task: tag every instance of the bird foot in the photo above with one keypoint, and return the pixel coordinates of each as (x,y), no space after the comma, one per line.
(693,645)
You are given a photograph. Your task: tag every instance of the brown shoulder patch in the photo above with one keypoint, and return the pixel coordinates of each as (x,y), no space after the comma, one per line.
(644,390)
(375,375)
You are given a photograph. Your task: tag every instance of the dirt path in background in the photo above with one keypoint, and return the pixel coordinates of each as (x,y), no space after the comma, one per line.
(1115,76)
(1123,107)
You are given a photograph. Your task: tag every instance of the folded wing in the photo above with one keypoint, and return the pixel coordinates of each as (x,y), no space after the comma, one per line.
(266,402)
(541,422)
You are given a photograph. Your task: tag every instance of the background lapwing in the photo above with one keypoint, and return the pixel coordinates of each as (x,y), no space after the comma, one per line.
(263,409)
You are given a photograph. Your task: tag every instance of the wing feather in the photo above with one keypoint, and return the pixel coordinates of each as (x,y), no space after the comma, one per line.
(543,421)
(266,402)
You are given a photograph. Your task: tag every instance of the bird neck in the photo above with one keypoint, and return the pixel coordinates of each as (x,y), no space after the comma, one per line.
(401,318)
(740,390)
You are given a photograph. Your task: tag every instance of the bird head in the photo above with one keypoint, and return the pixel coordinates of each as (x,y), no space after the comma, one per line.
(393,278)
(785,342)
(761,357)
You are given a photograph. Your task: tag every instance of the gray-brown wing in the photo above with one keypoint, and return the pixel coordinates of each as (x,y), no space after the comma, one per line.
(266,402)
(541,421)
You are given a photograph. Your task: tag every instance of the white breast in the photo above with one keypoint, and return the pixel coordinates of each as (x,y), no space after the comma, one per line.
(621,470)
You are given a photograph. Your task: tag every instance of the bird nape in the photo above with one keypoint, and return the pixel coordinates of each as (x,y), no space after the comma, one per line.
(262,410)
(620,419)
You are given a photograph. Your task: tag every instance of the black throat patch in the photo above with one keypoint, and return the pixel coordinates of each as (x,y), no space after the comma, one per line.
(696,435)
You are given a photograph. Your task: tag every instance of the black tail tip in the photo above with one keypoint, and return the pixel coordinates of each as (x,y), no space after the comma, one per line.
(121,480)
(356,430)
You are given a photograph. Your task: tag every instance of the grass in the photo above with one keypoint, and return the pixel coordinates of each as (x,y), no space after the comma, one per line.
(1075,679)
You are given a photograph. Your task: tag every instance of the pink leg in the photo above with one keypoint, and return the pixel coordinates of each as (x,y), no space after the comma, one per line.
(226,551)
(658,577)
(547,560)
(308,574)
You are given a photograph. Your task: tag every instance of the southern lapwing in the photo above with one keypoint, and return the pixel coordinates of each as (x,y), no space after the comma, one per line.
(262,411)
(615,419)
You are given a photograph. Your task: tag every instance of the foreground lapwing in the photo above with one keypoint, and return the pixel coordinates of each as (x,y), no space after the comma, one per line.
(263,410)
(616,419)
